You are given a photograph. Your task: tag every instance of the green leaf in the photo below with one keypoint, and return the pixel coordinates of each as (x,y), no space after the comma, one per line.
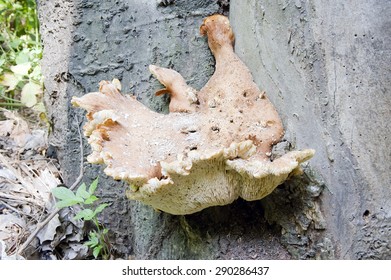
(100,208)
(29,94)
(91,200)
(21,69)
(15,43)
(39,107)
(36,74)
(66,196)
(90,243)
(93,235)
(21,58)
(85,214)
(17,6)
(9,80)
(82,191)
(66,203)
(93,186)
(96,251)
(63,193)
(93,240)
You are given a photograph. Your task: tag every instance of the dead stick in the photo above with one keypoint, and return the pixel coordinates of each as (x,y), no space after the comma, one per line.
(50,217)
(13,208)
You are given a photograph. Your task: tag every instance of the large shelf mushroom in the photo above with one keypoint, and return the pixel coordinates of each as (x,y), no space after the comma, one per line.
(212,148)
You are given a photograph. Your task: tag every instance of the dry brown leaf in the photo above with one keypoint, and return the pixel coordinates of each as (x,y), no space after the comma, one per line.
(6,127)
(20,131)
(10,226)
(6,174)
(25,182)
(49,231)
(75,251)
(3,254)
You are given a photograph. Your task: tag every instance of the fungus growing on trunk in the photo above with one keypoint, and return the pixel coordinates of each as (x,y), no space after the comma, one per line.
(212,148)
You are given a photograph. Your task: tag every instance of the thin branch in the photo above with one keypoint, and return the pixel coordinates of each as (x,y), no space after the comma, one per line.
(41,225)
(13,208)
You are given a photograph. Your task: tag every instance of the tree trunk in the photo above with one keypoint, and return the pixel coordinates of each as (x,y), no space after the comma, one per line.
(326,68)
(315,61)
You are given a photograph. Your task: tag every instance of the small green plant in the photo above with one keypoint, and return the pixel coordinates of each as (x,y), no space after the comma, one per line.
(21,80)
(97,238)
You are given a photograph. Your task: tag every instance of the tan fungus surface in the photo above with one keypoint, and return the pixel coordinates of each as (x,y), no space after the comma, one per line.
(212,148)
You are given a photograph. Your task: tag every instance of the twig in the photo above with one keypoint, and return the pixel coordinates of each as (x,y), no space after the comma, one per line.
(12,208)
(21,213)
(51,216)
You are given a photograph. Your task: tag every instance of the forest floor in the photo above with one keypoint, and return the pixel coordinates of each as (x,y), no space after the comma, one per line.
(31,225)
(27,176)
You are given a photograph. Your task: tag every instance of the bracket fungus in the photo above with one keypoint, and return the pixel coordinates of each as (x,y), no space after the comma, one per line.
(212,148)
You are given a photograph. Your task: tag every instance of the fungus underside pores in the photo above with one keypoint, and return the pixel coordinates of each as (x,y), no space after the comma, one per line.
(212,148)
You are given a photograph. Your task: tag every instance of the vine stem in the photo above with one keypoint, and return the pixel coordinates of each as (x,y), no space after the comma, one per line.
(42,224)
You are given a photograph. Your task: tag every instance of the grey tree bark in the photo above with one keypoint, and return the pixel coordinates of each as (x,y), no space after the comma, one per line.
(326,69)
(327,66)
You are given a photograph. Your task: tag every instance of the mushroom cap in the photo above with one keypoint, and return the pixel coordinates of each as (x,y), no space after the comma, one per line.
(212,148)
(202,181)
